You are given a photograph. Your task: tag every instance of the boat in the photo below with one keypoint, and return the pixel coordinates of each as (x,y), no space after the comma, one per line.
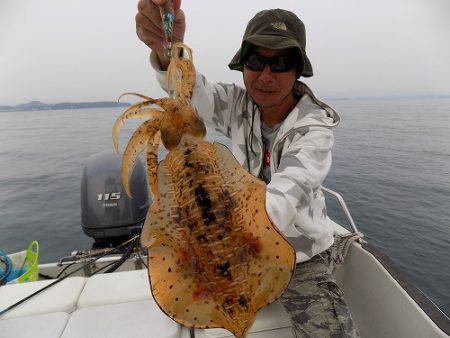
(73,299)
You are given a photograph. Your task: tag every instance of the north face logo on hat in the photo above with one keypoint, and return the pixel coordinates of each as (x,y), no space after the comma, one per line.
(279,25)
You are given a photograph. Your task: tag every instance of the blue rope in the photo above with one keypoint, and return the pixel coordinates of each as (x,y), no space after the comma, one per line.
(8,266)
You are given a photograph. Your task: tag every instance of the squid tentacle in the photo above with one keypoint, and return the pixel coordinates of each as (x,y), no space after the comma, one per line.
(181,73)
(165,102)
(137,112)
(142,96)
(135,146)
(152,163)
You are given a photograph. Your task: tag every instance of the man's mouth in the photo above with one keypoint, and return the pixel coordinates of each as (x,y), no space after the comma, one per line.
(265,91)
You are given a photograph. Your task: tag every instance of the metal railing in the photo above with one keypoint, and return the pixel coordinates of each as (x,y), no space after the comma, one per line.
(343,206)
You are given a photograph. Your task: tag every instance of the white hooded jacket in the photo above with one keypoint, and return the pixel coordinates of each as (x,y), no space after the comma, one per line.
(300,159)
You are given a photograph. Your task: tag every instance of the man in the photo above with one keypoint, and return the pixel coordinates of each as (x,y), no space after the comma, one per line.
(281,133)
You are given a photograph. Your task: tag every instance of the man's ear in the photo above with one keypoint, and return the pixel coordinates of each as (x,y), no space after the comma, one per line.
(243,76)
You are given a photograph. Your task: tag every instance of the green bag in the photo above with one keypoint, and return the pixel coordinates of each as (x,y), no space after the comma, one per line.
(28,261)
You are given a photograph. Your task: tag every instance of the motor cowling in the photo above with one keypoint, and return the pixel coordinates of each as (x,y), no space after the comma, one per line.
(107,212)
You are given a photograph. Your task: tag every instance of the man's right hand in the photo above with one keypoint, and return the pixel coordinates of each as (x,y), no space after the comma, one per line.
(149,26)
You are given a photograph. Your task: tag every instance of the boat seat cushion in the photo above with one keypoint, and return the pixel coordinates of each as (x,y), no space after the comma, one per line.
(285,332)
(47,325)
(136,319)
(61,297)
(120,287)
(272,320)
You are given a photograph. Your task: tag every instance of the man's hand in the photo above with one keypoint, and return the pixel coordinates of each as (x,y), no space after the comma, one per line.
(149,26)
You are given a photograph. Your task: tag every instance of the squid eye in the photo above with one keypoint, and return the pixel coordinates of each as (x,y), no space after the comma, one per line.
(170,138)
(192,122)
(198,128)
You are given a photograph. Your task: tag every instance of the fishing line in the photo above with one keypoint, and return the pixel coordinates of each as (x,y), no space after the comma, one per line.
(141,259)
(64,269)
(9,308)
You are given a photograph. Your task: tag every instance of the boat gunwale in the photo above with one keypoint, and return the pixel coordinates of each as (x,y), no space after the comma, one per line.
(426,304)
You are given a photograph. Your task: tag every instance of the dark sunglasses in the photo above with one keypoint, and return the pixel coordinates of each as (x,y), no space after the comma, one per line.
(278,64)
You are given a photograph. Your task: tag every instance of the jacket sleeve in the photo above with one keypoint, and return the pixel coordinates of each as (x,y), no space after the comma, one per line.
(215,103)
(302,169)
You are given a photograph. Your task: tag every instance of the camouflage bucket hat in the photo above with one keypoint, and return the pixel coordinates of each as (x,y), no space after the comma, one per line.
(274,29)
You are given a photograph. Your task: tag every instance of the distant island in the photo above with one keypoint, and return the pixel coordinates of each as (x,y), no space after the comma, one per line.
(38,105)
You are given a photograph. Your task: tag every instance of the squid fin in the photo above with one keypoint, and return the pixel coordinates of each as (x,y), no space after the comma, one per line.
(271,270)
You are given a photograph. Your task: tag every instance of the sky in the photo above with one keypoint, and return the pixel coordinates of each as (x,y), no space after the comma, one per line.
(56,51)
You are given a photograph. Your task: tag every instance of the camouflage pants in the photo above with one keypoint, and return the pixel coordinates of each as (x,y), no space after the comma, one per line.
(315,303)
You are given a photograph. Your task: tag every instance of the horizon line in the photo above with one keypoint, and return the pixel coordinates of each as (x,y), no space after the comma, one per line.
(327,97)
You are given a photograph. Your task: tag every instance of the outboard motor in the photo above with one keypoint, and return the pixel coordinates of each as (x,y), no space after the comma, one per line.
(107,213)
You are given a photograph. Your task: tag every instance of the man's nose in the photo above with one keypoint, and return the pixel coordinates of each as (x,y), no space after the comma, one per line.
(266,74)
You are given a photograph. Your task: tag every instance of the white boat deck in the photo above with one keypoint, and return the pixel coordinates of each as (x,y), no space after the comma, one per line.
(109,305)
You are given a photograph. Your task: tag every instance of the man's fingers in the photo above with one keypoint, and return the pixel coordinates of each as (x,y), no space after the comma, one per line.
(144,22)
(148,9)
(176,3)
(149,39)
(179,17)
(179,25)
(149,25)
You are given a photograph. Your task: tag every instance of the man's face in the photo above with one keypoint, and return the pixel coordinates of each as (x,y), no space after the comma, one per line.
(269,89)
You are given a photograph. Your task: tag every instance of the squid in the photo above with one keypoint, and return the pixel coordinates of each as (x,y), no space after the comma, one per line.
(214,256)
